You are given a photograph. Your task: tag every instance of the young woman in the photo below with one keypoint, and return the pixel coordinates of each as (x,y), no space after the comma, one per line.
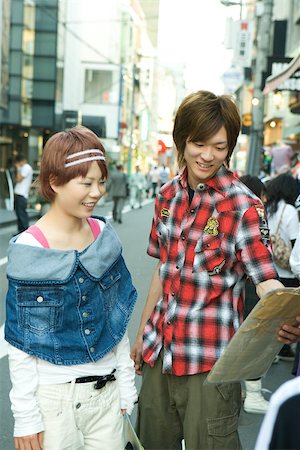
(282,192)
(69,300)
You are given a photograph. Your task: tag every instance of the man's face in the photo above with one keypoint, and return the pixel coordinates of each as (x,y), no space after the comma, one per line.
(20,164)
(203,159)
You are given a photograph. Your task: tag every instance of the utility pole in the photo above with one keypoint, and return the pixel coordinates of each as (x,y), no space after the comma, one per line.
(257,128)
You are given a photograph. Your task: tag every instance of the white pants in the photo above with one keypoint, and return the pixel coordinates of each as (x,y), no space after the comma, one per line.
(79,417)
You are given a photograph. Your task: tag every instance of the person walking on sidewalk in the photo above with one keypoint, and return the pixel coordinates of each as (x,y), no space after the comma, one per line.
(254,401)
(282,216)
(154,175)
(23,180)
(137,188)
(208,232)
(69,300)
(117,186)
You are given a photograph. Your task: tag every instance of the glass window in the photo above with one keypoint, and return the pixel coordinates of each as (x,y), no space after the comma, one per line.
(44,68)
(99,87)
(26,113)
(44,90)
(45,44)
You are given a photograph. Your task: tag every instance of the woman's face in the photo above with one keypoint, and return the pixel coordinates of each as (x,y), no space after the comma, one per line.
(80,195)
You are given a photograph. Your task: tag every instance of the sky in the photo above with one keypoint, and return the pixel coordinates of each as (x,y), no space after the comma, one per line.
(192,32)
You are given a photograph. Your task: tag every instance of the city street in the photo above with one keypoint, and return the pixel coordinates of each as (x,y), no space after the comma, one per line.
(134,236)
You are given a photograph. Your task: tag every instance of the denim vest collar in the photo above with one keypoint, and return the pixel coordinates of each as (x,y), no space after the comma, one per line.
(62,264)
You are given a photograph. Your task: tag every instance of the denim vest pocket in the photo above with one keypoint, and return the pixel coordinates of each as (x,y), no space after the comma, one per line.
(40,310)
(109,287)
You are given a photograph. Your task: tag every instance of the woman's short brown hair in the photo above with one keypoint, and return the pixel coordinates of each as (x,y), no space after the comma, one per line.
(200,116)
(55,153)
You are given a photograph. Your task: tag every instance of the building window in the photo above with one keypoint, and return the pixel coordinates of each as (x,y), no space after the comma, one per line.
(99,87)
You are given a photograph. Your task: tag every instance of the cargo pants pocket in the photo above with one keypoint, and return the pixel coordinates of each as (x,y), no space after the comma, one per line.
(223,433)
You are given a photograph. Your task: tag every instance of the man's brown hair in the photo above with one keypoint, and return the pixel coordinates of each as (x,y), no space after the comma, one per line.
(200,116)
(55,153)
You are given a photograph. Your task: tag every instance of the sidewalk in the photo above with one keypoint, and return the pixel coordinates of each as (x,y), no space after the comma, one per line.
(9,217)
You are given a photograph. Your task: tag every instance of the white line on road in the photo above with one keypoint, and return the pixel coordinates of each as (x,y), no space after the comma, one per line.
(3,343)
(3,261)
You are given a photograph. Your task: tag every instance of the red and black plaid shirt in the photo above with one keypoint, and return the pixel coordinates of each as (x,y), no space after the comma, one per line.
(205,248)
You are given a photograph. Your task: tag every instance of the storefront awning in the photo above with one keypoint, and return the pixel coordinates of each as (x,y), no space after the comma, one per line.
(274,81)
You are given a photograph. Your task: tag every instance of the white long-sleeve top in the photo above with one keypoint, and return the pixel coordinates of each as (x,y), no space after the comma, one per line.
(27,372)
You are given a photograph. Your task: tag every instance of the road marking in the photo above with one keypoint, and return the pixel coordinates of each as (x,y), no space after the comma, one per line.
(3,343)
(3,261)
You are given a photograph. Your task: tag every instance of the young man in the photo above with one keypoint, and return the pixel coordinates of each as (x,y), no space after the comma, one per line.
(23,180)
(208,233)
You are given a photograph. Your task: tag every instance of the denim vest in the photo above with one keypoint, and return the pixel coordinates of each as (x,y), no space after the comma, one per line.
(68,307)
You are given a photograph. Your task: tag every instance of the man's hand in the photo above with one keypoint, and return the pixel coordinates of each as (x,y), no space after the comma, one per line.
(30,442)
(136,354)
(288,334)
(267,286)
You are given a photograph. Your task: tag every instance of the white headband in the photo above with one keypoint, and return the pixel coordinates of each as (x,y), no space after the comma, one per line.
(82,160)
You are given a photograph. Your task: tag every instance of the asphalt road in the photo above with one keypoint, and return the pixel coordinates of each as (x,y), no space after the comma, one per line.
(134,236)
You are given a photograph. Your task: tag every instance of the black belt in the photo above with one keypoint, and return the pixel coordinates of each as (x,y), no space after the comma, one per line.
(101,380)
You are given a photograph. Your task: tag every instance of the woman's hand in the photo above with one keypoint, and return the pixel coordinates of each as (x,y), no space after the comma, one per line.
(288,334)
(136,354)
(30,442)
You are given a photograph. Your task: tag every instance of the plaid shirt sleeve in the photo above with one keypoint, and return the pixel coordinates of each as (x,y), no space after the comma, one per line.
(153,247)
(253,245)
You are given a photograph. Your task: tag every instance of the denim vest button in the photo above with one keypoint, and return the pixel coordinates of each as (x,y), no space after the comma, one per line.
(40,299)
(85,314)
(83,298)
(81,280)
(92,349)
(87,331)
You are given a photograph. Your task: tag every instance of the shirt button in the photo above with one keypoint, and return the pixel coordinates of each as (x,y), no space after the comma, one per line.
(40,299)
(81,280)
(83,298)
(85,314)
(92,349)
(183,238)
(78,405)
(192,211)
(87,331)
(201,186)
(168,322)
(173,295)
(177,267)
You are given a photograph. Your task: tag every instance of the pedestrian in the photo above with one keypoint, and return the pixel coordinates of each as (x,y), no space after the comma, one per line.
(69,300)
(23,180)
(280,428)
(208,232)
(282,155)
(164,175)
(283,216)
(137,187)
(154,175)
(117,186)
(254,401)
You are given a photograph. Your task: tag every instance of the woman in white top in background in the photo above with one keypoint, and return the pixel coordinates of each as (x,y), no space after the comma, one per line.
(281,196)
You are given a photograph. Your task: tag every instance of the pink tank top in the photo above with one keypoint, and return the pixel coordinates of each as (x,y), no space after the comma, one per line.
(40,237)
